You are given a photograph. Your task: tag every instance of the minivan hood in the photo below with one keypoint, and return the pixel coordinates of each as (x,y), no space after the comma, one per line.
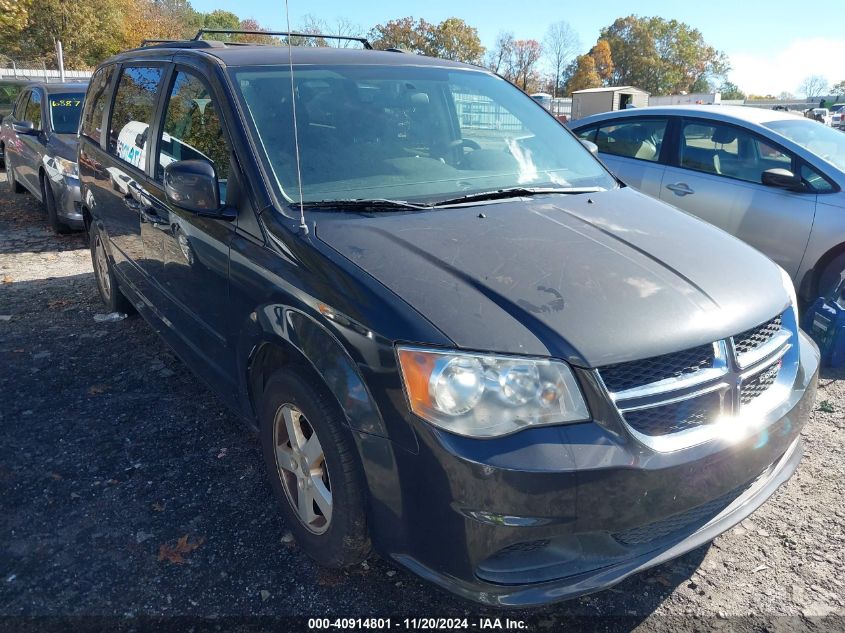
(591,278)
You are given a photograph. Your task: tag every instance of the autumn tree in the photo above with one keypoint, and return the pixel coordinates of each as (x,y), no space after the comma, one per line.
(451,39)
(813,86)
(731,92)
(89,31)
(499,57)
(584,74)
(341,27)
(838,88)
(14,14)
(220,19)
(525,56)
(603,60)
(660,56)
(561,44)
(454,39)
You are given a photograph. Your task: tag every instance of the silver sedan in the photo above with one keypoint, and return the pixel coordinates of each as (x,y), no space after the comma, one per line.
(770,178)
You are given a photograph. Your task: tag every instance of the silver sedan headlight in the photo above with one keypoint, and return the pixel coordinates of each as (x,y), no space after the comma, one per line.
(66,168)
(486,395)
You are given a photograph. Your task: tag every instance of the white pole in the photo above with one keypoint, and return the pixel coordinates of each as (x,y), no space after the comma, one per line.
(61,60)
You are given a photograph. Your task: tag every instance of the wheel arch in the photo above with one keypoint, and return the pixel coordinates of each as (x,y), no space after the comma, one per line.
(285,337)
(809,288)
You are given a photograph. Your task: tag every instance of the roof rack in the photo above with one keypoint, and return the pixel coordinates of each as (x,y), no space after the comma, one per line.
(363,40)
(151,42)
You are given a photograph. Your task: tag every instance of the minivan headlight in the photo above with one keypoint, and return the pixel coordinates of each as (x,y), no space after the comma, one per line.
(486,395)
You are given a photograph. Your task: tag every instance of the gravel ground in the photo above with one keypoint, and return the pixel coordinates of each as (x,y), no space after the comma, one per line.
(113,452)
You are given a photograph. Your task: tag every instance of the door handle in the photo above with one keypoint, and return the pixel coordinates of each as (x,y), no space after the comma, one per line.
(680,189)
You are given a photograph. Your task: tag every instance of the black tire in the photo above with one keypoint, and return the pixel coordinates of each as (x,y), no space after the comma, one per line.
(107,285)
(830,275)
(14,185)
(345,540)
(50,205)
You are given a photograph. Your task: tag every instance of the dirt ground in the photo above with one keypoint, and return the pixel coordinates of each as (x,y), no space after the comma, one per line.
(112,452)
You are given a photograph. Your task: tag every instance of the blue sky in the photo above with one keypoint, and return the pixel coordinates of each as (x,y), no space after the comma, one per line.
(772,45)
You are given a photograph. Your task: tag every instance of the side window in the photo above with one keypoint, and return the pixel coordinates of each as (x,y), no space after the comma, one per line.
(33,109)
(95,104)
(815,180)
(20,106)
(641,138)
(132,114)
(728,151)
(588,134)
(192,129)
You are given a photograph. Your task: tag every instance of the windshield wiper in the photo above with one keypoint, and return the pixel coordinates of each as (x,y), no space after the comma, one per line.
(363,203)
(515,192)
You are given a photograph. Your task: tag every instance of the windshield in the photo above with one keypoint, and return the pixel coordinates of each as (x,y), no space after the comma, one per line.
(416,134)
(64,112)
(822,140)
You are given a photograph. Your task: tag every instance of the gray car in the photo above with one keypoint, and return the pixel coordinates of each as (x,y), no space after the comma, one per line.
(38,141)
(770,178)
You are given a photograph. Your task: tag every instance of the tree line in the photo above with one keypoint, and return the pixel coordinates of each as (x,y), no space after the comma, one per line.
(658,55)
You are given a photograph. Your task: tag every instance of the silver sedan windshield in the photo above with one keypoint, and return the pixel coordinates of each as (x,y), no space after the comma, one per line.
(822,140)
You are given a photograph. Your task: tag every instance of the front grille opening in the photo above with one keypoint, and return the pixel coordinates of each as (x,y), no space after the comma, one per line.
(757,337)
(692,519)
(755,386)
(677,416)
(550,559)
(643,372)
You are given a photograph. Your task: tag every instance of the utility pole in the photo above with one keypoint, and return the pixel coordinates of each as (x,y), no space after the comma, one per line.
(60,60)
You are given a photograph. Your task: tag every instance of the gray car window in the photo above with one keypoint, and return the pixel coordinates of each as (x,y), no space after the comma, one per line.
(815,179)
(20,108)
(726,150)
(639,138)
(33,109)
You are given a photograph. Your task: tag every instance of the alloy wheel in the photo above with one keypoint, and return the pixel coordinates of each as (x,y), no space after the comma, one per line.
(301,465)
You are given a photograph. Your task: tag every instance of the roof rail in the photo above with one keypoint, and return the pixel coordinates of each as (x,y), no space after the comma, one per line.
(363,40)
(181,44)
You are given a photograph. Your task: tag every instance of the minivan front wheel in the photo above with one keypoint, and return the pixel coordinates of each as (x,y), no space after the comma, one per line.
(313,468)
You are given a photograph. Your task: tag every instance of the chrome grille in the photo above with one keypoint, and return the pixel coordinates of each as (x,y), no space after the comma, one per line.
(758,384)
(624,376)
(676,400)
(755,338)
(676,416)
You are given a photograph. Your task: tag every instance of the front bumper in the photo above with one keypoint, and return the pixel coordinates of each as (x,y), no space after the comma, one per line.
(554,513)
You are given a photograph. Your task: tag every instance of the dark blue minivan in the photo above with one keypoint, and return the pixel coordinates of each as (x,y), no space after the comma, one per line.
(463,342)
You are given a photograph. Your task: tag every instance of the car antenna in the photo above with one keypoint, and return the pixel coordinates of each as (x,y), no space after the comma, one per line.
(302,225)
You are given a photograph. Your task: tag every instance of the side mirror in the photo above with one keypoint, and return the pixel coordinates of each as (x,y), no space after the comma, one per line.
(592,147)
(782,179)
(24,127)
(192,185)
